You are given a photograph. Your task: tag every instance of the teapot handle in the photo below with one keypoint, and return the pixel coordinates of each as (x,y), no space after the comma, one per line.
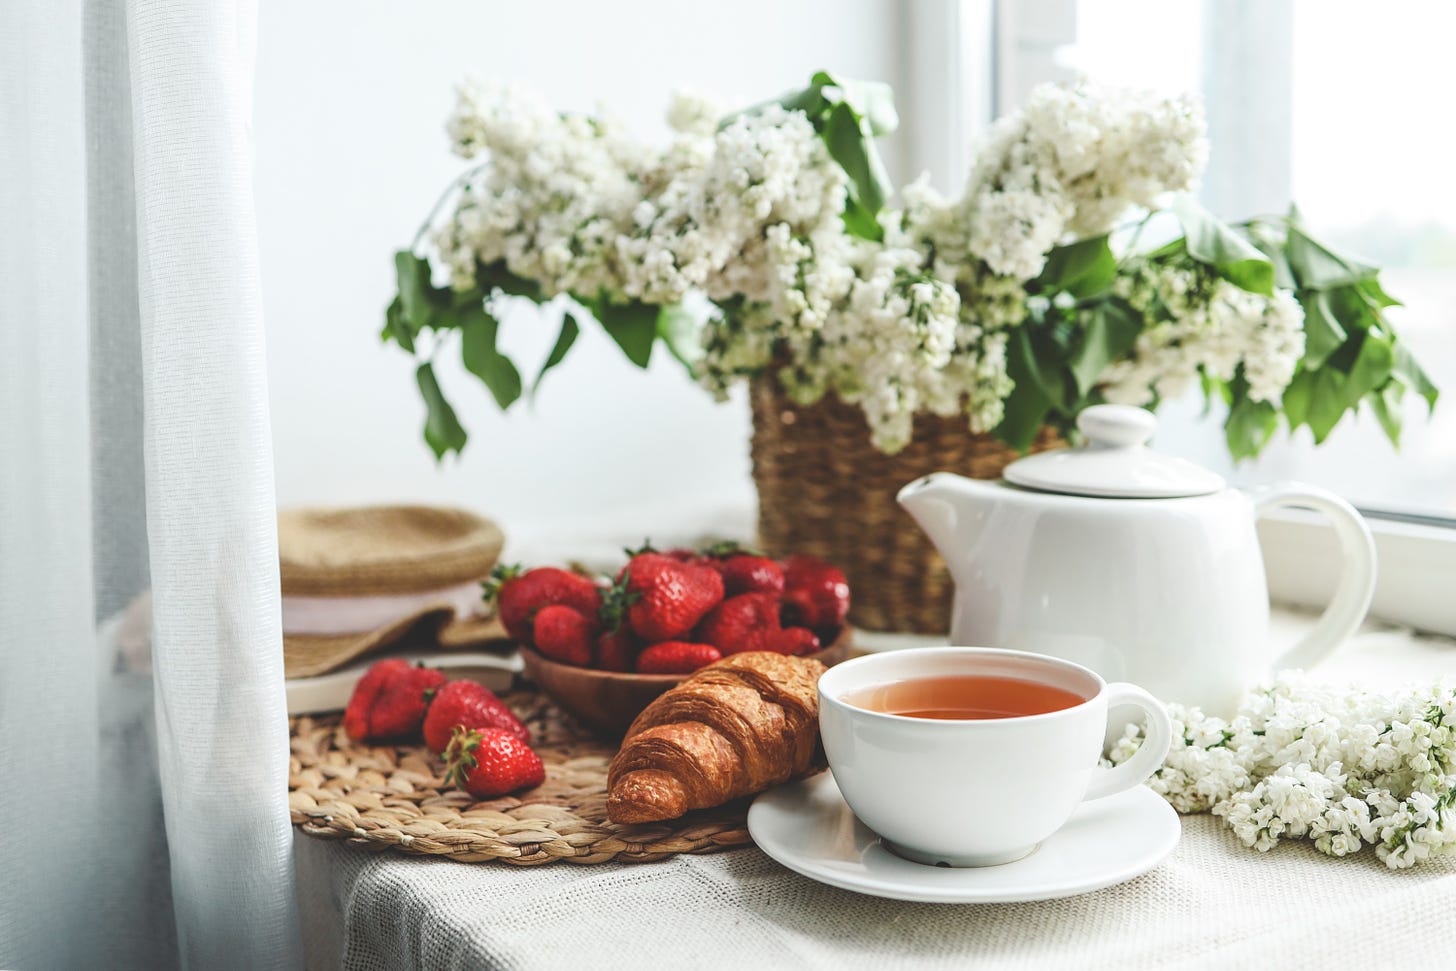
(1357,581)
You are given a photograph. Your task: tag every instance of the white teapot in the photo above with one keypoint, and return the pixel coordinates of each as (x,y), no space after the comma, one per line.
(1142,566)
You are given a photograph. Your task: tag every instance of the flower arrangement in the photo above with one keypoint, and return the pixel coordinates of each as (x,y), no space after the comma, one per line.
(1345,769)
(1016,303)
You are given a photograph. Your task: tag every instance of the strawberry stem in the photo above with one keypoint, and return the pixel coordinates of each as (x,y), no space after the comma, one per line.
(730,547)
(460,755)
(646,547)
(615,601)
(490,588)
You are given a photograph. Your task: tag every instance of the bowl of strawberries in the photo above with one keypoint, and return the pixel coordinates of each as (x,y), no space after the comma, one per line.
(604,649)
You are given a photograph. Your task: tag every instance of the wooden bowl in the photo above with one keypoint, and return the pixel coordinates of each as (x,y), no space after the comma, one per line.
(608,700)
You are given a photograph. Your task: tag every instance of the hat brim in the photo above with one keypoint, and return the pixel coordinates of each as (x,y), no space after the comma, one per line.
(307,655)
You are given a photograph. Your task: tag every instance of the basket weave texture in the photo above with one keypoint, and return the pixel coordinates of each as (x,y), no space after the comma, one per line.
(396,798)
(823,489)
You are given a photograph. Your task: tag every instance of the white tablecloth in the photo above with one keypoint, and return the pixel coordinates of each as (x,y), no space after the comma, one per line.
(1214,903)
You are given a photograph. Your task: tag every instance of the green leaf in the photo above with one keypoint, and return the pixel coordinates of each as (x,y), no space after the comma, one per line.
(564,340)
(860,222)
(497,277)
(848,145)
(412,275)
(1249,427)
(1047,365)
(442,429)
(1374,292)
(871,101)
(1028,405)
(1388,409)
(1213,242)
(1273,248)
(478,351)
(810,101)
(1405,368)
(681,334)
(395,328)
(1213,389)
(632,325)
(1323,334)
(1317,267)
(1083,268)
(1326,402)
(1109,330)
(1296,399)
(1371,369)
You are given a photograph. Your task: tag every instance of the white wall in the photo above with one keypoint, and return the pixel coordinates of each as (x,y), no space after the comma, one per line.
(351,102)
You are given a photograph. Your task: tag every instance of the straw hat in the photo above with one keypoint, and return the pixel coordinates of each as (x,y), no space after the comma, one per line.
(357,580)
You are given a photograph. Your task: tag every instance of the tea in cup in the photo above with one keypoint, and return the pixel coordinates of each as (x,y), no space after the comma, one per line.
(968,756)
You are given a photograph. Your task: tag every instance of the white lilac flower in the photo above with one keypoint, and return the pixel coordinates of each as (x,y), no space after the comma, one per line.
(550,198)
(1068,166)
(749,215)
(692,113)
(1345,768)
(1201,323)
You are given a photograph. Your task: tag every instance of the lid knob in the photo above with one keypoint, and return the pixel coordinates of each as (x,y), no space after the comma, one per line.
(1116,426)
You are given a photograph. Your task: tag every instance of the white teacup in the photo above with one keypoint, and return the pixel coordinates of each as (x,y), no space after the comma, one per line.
(983,791)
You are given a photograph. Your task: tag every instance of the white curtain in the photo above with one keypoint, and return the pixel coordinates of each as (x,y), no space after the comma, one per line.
(143,738)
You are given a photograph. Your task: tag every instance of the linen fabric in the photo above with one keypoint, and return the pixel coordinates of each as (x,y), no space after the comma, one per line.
(146,808)
(1214,903)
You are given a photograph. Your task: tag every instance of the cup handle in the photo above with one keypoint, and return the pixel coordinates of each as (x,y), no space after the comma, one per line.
(1352,597)
(1157,740)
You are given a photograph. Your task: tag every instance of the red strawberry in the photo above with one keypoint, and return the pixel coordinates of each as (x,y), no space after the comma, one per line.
(789,640)
(730,624)
(617,650)
(745,570)
(519,595)
(679,553)
(389,702)
(465,704)
(565,635)
(491,762)
(816,593)
(676,657)
(662,597)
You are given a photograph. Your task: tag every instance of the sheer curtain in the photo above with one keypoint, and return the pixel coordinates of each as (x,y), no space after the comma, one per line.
(143,739)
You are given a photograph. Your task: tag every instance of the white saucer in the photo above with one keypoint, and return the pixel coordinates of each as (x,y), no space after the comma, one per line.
(807,827)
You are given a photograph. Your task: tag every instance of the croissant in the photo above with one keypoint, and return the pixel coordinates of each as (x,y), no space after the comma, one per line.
(734,728)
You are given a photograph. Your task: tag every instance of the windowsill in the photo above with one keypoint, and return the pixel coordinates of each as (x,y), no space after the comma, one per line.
(1416,568)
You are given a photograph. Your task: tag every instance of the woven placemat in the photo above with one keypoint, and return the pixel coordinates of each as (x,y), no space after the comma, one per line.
(396,798)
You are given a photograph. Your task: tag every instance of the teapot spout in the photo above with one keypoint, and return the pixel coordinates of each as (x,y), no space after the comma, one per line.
(946,506)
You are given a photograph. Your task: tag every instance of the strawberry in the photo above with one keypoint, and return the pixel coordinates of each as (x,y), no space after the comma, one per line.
(490,762)
(389,702)
(744,570)
(816,594)
(465,704)
(565,635)
(676,657)
(617,650)
(789,640)
(519,595)
(663,598)
(729,625)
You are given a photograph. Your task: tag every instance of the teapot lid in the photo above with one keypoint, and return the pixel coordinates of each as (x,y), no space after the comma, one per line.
(1115,461)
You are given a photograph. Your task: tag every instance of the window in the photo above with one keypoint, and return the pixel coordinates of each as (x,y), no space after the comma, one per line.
(1331,103)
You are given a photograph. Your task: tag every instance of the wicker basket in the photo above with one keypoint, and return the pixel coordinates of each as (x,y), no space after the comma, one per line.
(823,489)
